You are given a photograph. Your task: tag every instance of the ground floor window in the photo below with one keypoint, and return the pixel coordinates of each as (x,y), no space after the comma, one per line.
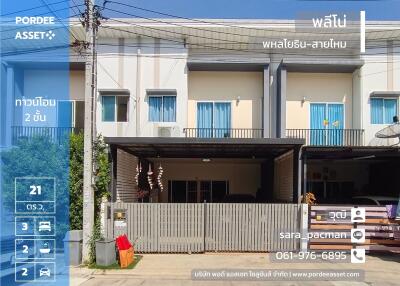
(197,191)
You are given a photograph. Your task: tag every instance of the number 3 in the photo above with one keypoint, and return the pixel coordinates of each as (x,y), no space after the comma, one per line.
(24,226)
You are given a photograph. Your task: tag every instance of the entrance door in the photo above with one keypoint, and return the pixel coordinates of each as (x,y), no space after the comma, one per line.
(326,123)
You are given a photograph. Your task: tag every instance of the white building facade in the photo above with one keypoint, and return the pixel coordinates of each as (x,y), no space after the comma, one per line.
(212,82)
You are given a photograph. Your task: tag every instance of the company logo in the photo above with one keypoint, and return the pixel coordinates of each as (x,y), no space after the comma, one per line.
(50,35)
(34,20)
(35,35)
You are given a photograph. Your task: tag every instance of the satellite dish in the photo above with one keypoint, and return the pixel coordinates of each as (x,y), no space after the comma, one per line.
(383,137)
(392,131)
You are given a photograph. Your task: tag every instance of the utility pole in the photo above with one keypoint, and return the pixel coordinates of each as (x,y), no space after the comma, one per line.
(88,188)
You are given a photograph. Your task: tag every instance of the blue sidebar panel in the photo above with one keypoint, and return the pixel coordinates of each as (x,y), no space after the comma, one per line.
(35,135)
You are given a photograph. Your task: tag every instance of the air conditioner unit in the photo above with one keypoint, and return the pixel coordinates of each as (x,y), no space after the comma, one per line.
(168,131)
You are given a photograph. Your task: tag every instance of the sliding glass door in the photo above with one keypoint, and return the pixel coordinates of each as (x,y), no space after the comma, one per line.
(335,119)
(222,120)
(214,119)
(326,123)
(197,191)
(317,121)
(204,119)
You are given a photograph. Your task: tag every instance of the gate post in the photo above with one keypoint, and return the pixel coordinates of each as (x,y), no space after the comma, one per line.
(204,225)
(304,227)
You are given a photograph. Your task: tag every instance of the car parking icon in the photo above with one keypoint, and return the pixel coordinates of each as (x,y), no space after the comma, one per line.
(44,271)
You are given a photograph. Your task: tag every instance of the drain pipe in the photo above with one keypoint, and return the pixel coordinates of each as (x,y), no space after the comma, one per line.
(138,87)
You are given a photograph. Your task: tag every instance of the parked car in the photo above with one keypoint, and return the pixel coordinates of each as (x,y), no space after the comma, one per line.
(374,200)
(239,198)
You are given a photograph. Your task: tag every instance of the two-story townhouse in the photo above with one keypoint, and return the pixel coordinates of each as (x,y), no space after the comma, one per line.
(220,89)
(338,106)
(222,114)
(204,119)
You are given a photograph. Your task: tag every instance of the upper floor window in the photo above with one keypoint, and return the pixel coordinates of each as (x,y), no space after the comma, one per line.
(162,108)
(70,113)
(383,110)
(114,108)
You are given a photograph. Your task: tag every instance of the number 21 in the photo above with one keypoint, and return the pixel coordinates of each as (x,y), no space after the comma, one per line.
(35,190)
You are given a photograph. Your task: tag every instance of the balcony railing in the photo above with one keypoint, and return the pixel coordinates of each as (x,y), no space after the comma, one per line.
(328,137)
(223,133)
(54,134)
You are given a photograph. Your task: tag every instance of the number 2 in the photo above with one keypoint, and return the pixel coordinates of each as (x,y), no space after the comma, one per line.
(24,272)
(25,249)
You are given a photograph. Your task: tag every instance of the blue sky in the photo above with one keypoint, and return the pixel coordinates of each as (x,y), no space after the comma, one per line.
(253,9)
(259,9)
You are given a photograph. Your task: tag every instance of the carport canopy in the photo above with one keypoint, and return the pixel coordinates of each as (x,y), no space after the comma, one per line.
(351,153)
(182,147)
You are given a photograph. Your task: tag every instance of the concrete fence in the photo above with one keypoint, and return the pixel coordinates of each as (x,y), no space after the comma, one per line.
(190,228)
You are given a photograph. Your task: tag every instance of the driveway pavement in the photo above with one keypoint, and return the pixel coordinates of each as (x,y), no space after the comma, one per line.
(175,269)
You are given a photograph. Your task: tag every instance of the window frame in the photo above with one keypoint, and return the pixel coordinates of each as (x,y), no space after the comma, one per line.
(115,107)
(73,110)
(383,109)
(213,110)
(162,107)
